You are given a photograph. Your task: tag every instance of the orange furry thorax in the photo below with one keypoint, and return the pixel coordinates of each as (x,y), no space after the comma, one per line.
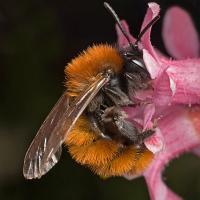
(82,70)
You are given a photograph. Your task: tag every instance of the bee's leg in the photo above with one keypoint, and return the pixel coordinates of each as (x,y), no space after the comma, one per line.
(96,123)
(120,129)
(144,135)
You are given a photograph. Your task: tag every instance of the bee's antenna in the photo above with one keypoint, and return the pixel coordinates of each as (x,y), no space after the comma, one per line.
(115,16)
(145,29)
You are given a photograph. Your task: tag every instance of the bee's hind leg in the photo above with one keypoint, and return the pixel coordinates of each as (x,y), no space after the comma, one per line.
(120,129)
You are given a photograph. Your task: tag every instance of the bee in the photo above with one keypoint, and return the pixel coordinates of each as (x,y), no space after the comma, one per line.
(89,118)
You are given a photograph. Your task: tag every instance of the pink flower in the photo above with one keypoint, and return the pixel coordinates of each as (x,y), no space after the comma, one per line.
(173,102)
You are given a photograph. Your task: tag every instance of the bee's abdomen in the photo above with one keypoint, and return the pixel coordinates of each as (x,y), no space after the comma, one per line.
(105,156)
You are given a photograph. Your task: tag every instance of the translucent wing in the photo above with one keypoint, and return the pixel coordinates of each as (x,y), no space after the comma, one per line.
(45,150)
(32,162)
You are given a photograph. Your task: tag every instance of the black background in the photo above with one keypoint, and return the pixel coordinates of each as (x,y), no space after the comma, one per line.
(37,39)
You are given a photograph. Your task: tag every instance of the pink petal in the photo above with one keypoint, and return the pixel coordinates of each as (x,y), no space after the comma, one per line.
(181,132)
(143,96)
(151,64)
(152,12)
(163,92)
(135,115)
(122,41)
(155,143)
(179,34)
(184,81)
(149,111)
(141,115)
(179,83)
(157,189)
(133,112)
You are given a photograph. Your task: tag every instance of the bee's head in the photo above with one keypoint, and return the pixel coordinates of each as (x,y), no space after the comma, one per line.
(131,54)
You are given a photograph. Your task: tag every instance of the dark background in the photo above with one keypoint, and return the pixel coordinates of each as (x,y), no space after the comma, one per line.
(37,39)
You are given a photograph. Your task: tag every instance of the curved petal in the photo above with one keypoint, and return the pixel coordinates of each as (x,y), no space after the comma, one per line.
(141,115)
(179,34)
(181,132)
(152,12)
(143,96)
(162,90)
(149,111)
(155,143)
(157,188)
(152,66)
